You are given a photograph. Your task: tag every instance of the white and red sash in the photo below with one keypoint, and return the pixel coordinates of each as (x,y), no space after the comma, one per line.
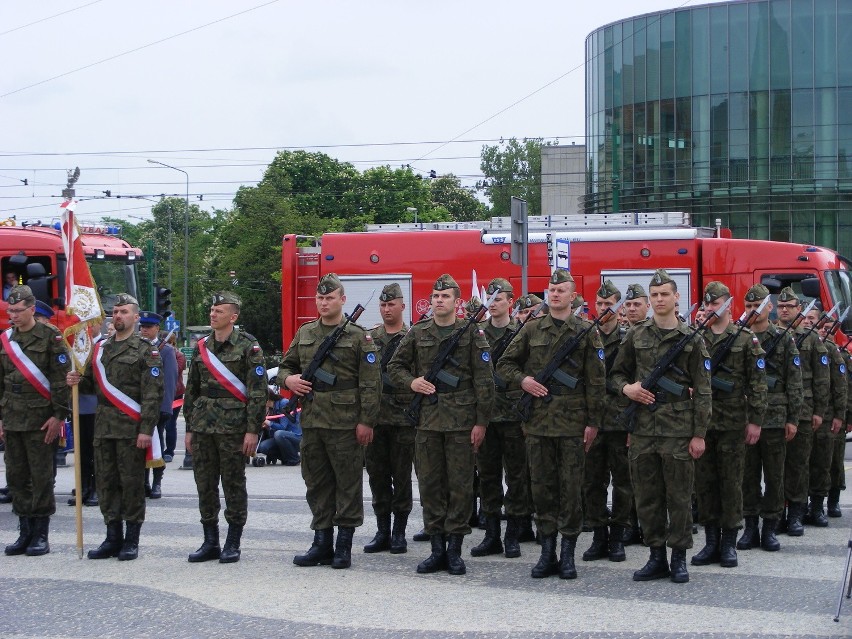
(120,400)
(24,364)
(225,377)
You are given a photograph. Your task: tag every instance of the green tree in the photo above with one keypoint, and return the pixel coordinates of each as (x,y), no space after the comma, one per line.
(460,202)
(512,168)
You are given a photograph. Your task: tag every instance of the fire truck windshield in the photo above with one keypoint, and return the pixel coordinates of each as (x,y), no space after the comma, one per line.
(113,277)
(840,286)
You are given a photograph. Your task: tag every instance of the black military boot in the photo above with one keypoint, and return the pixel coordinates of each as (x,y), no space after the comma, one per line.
(768,540)
(91,498)
(679,574)
(834,503)
(657,566)
(600,545)
(547,564)
(321,552)
(111,546)
(526,529)
(795,511)
(343,548)
(816,513)
(39,545)
(511,540)
(567,569)
(782,521)
(421,536)
(84,482)
(156,486)
(130,548)
(616,543)
(490,544)
(210,548)
(25,533)
(438,559)
(751,535)
(455,564)
(710,553)
(727,548)
(398,544)
(381,541)
(231,550)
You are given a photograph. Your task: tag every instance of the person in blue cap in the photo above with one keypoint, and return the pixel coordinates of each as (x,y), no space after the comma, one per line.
(149,329)
(43,312)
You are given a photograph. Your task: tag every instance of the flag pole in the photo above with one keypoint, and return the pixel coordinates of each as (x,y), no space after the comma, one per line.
(78,463)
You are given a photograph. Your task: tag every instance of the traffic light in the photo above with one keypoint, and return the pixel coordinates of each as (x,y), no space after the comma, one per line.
(163,301)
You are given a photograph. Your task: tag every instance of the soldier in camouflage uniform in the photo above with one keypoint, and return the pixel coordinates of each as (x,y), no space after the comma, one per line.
(451,428)
(564,422)
(838,470)
(666,440)
(636,304)
(32,418)
(340,408)
(527,304)
(504,446)
(127,374)
(815,382)
(766,457)
(739,407)
(834,425)
(607,458)
(390,456)
(224,407)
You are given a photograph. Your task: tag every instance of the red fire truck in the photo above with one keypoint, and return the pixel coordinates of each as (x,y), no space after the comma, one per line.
(623,247)
(35,256)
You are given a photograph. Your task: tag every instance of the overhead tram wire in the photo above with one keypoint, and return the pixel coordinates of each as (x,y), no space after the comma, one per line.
(55,15)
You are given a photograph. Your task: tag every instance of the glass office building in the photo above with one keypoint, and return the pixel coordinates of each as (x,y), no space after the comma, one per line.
(736,110)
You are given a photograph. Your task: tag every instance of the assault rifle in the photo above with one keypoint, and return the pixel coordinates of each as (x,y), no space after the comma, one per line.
(390,349)
(503,343)
(657,377)
(717,361)
(836,323)
(772,344)
(314,371)
(436,370)
(800,339)
(551,370)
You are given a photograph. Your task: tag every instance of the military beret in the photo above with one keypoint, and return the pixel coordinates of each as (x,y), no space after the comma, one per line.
(225,297)
(715,290)
(529,301)
(21,293)
(561,275)
(608,289)
(787,294)
(473,305)
(43,309)
(391,292)
(123,299)
(756,293)
(150,318)
(577,303)
(635,291)
(328,284)
(445,282)
(504,285)
(661,277)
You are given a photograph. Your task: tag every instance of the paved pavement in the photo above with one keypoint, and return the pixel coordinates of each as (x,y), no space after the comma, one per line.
(792,593)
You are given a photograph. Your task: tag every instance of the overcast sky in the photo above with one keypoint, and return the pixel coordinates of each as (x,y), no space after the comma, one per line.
(359,81)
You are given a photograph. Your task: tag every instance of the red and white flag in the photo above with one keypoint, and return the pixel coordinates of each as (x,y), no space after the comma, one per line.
(82,303)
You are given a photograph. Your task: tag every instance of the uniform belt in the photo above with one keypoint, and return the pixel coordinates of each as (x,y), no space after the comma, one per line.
(560,389)
(22,389)
(219,393)
(720,394)
(322,387)
(442,387)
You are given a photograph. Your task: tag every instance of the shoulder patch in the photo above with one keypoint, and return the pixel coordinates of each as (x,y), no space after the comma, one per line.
(255,348)
(155,352)
(260,371)
(843,369)
(754,340)
(707,364)
(481,332)
(823,360)
(601,355)
(62,358)
(155,371)
(57,337)
(761,363)
(797,361)
(371,358)
(368,337)
(486,356)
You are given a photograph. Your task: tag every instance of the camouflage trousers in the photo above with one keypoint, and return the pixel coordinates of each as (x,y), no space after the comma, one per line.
(838,470)
(822,450)
(445,473)
(503,450)
(662,471)
(765,459)
(218,456)
(608,458)
(120,479)
(29,473)
(390,458)
(333,470)
(556,478)
(719,479)
(797,463)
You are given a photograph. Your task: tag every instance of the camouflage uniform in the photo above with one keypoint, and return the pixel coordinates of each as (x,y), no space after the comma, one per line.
(661,466)
(816,383)
(739,398)
(29,461)
(838,471)
(219,422)
(443,452)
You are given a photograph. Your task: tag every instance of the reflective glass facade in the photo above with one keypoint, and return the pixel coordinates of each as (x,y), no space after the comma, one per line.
(738,110)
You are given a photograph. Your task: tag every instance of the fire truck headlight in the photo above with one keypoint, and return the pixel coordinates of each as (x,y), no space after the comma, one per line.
(374,258)
(645,252)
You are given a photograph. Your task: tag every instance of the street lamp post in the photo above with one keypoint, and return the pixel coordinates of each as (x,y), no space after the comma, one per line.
(185,244)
